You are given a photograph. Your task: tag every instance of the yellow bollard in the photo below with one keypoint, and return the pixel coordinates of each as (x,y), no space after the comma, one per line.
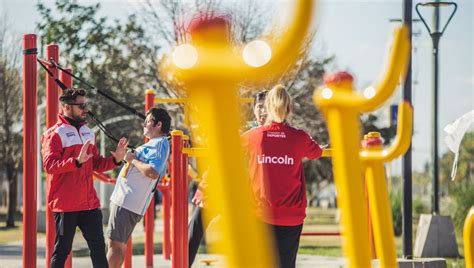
(211,72)
(341,106)
(468,234)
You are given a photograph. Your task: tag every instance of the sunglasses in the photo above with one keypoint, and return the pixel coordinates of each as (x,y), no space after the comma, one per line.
(81,106)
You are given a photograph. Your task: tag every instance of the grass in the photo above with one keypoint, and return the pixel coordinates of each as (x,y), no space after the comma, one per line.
(11,234)
(8,235)
(332,251)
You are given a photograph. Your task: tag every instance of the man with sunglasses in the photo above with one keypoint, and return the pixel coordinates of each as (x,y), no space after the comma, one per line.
(69,157)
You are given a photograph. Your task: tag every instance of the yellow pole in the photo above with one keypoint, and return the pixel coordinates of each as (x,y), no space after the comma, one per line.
(468,234)
(374,158)
(381,216)
(228,179)
(341,105)
(344,135)
(211,76)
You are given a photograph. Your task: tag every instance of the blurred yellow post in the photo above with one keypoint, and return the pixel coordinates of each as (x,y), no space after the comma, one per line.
(341,106)
(468,234)
(210,71)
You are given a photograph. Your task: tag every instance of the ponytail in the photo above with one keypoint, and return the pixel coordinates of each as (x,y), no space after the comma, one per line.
(278,104)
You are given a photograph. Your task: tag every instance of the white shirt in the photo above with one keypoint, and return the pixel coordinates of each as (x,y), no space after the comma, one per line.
(133,190)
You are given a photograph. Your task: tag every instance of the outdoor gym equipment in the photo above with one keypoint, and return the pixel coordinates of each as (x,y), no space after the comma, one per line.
(30,149)
(211,86)
(373,159)
(341,106)
(179,170)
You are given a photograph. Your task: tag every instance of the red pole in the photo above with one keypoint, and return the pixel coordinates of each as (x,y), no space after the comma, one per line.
(65,78)
(29,149)
(165,191)
(150,213)
(127,263)
(67,81)
(184,205)
(52,108)
(176,198)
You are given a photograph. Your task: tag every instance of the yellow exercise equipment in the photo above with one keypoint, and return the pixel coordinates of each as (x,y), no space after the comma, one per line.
(341,106)
(210,70)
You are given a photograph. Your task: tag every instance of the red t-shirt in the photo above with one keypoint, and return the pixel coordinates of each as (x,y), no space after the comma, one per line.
(275,153)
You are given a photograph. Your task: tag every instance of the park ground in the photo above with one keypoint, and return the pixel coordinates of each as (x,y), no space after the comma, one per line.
(320,251)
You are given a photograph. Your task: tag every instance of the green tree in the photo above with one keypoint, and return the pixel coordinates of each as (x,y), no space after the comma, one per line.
(10,115)
(461,190)
(114,56)
(120,58)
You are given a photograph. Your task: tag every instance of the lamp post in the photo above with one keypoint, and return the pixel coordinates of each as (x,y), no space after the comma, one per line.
(435,34)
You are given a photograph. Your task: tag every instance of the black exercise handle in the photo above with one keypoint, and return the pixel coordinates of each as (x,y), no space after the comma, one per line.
(106,132)
(58,82)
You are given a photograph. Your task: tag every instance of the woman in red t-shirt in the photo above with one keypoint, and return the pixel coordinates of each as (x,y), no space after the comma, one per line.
(276,151)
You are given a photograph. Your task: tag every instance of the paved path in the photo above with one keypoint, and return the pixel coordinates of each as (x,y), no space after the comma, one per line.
(303,261)
(11,255)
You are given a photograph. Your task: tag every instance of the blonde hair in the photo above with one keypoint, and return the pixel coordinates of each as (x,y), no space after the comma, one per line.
(278,104)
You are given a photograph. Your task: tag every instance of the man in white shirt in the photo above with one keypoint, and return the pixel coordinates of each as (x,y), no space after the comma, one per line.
(136,183)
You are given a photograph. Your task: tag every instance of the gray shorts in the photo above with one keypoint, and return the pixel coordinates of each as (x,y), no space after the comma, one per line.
(121,223)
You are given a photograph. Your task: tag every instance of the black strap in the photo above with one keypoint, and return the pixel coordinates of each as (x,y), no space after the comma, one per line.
(121,104)
(58,82)
(91,115)
(104,129)
(30,51)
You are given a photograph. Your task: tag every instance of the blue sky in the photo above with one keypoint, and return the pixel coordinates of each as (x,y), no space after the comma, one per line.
(357,33)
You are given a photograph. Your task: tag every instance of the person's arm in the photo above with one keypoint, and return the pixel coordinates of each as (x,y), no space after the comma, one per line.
(144,168)
(102,163)
(199,197)
(313,150)
(154,164)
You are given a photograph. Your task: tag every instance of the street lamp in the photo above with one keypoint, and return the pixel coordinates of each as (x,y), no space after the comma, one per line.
(435,34)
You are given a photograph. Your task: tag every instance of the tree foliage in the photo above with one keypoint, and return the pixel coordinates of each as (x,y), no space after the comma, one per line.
(461,190)
(116,57)
(121,58)
(10,115)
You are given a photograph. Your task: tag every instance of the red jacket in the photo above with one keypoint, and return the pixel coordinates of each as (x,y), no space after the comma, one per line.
(71,188)
(276,170)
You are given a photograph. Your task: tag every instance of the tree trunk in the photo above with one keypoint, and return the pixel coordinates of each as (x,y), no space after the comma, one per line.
(12,195)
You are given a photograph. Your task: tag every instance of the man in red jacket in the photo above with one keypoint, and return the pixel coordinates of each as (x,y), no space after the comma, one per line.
(69,157)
